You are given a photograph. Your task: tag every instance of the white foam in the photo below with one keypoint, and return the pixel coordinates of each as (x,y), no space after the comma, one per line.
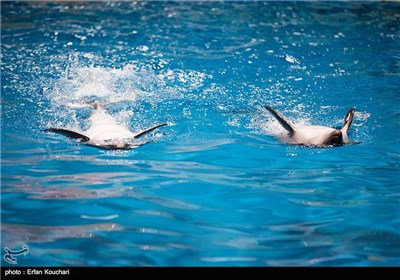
(123,84)
(131,83)
(109,217)
(361,116)
(291,59)
(92,88)
(96,82)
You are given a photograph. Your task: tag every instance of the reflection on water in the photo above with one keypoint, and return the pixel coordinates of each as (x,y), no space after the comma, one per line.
(200,204)
(16,233)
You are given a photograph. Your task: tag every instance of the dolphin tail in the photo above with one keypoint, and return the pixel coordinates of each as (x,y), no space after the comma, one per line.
(281,120)
(348,119)
(69,133)
(148,130)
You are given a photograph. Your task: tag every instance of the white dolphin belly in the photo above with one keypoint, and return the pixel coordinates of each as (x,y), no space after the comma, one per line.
(100,133)
(312,135)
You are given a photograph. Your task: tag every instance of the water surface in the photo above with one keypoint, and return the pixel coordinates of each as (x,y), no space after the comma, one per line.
(214,188)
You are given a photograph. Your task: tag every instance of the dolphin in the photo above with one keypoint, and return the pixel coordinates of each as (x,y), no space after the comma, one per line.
(104,132)
(318,136)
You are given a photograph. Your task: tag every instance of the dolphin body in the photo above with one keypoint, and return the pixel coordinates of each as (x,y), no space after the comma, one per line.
(105,133)
(318,136)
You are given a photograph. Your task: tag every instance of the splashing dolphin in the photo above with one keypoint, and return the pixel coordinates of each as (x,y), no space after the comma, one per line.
(314,135)
(104,132)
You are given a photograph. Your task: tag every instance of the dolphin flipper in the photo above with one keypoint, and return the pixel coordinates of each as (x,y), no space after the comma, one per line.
(348,119)
(148,130)
(69,133)
(281,120)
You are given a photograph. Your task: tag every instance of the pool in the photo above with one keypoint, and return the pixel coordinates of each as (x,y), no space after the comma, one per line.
(214,187)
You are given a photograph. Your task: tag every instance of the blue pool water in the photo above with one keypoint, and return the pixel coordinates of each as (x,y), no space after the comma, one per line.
(215,187)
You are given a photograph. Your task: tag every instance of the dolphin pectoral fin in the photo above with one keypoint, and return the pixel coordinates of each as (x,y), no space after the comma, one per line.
(281,120)
(148,130)
(69,133)
(348,119)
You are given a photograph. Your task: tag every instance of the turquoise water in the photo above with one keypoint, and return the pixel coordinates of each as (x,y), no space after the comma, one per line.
(215,187)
